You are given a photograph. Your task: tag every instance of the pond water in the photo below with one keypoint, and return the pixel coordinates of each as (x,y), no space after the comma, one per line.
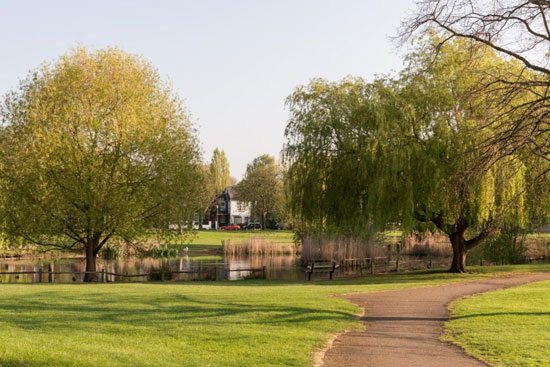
(193,267)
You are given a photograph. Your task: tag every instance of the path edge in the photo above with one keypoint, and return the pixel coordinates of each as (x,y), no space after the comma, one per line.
(319,355)
(318,360)
(447,336)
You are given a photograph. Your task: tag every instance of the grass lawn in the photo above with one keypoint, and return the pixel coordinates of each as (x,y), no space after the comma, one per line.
(505,328)
(213,239)
(244,323)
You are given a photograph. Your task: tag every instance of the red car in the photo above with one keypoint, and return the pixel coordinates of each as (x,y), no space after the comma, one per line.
(230,228)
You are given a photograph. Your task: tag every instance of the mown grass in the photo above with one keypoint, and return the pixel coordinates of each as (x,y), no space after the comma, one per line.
(505,328)
(245,323)
(204,240)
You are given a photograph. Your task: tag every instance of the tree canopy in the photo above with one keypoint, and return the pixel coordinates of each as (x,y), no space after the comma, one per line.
(515,30)
(262,186)
(363,155)
(94,146)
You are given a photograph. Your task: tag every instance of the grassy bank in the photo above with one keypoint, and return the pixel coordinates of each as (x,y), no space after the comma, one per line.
(505,328)
(246,323)
(212,240)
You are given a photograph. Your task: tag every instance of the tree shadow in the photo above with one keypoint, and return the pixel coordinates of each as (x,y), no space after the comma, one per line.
(43,310)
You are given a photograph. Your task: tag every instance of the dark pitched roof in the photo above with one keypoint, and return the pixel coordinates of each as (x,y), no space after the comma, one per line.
(232,193)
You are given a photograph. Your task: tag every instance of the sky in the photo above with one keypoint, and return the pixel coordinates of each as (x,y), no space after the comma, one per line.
(232,62)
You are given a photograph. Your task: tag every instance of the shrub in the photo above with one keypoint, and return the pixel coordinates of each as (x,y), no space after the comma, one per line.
(509,247)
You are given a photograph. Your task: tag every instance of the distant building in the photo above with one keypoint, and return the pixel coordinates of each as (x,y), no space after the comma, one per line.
(228,210)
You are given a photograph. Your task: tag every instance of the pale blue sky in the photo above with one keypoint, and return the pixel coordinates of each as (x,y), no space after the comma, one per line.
(233,62)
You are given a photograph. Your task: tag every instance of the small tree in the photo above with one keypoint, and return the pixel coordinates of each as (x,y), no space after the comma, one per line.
(262,186)
(219,169)
(205,192)
(93,147)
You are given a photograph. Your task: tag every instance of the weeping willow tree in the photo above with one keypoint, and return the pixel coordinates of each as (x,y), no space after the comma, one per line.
(403,151)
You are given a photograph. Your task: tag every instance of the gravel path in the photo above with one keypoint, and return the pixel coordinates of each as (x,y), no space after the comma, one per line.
(403,327)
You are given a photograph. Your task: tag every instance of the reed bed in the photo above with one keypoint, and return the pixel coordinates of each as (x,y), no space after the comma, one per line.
(339,248)
(426,244)
(258,246)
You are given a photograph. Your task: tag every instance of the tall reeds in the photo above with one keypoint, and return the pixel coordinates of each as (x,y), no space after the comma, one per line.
(427,244)
(345,248)
(257,246)
(339,248)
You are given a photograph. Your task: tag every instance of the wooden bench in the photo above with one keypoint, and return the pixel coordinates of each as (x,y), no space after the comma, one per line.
(321,266)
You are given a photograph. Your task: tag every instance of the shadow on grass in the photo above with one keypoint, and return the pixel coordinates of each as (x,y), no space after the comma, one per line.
(43,310)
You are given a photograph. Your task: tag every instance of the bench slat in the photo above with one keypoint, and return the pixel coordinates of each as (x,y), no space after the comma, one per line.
(321,267)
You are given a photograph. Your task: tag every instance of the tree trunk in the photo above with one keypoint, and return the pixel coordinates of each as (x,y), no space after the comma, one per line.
(460,251)
(263,220)
(91,256)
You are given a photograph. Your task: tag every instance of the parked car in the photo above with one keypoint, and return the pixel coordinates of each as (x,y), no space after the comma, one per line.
(253,226)
(230,228)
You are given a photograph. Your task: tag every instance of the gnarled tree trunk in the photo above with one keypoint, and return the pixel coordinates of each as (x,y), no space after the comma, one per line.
(460,251)
(461,246)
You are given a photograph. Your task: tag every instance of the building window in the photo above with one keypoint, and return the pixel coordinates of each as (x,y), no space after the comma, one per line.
(222,206)
(237,220)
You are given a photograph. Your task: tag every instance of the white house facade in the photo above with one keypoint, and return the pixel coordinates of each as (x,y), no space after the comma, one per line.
(229,210)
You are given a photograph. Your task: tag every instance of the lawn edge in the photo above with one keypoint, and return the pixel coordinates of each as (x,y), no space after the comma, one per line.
(330,338)
(319,354)
(450,337)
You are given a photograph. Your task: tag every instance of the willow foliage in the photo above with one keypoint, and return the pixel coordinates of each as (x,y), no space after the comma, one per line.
(406,150)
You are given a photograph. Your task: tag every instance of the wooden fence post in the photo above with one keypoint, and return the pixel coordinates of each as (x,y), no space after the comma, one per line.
(397,265)
(50,273)
(39,275)
(263,272)
(372,270)
(162,275)
(103,276)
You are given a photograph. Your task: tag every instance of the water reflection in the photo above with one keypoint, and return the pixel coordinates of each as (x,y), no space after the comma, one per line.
(193,268)
(281,267)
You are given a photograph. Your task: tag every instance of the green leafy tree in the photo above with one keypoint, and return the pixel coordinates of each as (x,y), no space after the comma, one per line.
(93,146)
(262,186)
(398,151)
(192,193)
(219,169)
(206,191)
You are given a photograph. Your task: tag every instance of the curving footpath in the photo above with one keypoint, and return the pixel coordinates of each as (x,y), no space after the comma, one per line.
(403,327)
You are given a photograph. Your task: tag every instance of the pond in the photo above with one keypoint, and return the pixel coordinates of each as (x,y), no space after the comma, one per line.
(191,266)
